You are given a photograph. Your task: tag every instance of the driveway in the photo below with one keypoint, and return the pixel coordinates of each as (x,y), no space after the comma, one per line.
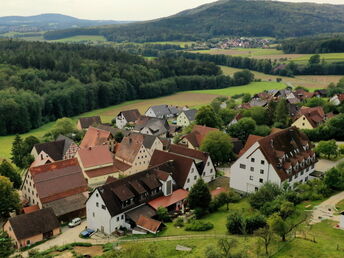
(326,209)
(324,164)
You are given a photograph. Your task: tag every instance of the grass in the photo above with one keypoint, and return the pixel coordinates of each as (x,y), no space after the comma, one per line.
(328,57)
(82,38)
(251,88)
(179,43)
(245,52)
(340,206)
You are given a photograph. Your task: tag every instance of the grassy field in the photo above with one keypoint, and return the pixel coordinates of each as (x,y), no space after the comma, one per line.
(81,38)
(308,81)
(328,57)
(180,43)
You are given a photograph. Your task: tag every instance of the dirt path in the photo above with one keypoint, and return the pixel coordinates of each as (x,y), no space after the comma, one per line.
(326,209)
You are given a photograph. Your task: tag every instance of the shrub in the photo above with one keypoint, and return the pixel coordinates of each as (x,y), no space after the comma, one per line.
(235,223)
(179,222)
(199,213)
(254,222)
(197,225)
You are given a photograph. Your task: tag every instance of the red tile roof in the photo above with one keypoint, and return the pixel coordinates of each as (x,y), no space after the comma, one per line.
(95,156)
(117,166)
(94,137)
(166,201)
(198,134)
(218,191)
(129,147)
(148,224)
(30,209)
(181,150)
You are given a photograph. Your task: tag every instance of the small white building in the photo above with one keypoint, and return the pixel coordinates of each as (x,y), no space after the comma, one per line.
(126,117)
(284,156)
(185,118)
(162,111)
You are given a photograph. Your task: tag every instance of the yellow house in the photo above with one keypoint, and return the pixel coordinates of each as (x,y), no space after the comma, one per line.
(185,118)
(303,123)
(309,118)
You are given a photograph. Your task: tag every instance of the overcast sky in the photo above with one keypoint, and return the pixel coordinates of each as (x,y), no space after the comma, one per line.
(110,9)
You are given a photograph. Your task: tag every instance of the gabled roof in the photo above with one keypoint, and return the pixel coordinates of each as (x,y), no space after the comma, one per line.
(67,144)
(314,115)
(252,139)
(95,137)
(129,147)
(166,201)
(130,115)
(34,223)
(112,130)
(95,156)
(181,163)
(86,122)
(156,126)
(191,153)
(54,149)
(59,179)
(164,110)
(198,134)
(190,114)
(151,225)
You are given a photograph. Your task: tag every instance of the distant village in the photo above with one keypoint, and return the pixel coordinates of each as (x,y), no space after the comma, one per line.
(120,175)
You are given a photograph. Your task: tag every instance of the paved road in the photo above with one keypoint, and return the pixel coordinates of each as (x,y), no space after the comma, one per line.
(326,209)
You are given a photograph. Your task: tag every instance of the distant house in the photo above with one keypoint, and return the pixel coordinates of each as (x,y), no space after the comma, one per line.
(28,229)
(126,117)
(337,99)
(235,119)
(163,111)
(85,122)
(48,152)
(185,118)
(59,185)
(303,95)
(322,93)
(95,137)
(194,139)
(310,118)
(122,203)
(113,130)
(98,163)
(152,126)
(283,156)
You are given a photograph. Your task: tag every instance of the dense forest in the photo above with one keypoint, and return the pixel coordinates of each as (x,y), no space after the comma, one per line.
(313,45)
(40,82)
(226,18)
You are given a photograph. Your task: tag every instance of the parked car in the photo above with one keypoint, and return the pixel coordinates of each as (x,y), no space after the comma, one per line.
(87,233)
(75,222)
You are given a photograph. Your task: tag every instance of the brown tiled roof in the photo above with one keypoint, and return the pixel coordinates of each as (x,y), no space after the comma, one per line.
(161,175)
(86,122)
(218,191)
(156,126)
(148,224)
(166,201)
(252,139)
(95,156)
(95,137)
(129,147)
(30,209)
(130,115)
(182,164)
(181,150)
(340,97)
(35,223)
(198,134)
(110,179)
(58,180)
(103,171)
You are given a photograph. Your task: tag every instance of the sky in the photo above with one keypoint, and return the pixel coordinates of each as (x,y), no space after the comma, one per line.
(110,9)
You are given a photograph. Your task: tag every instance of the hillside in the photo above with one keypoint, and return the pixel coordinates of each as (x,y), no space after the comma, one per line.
(46,22)
(229,17)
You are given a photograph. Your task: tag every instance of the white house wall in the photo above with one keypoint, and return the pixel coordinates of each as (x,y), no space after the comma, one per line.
(209,171)
(192,177)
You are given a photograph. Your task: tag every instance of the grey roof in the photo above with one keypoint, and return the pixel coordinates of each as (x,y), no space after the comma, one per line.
(54,149)
(157,126)
(67,144)
(191,114)
(258,102)
(34,223)
(164,110)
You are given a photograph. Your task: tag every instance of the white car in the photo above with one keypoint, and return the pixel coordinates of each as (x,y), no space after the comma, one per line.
(75,222)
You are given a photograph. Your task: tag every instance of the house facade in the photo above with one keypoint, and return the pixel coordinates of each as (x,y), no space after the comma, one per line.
(185,118)
(163,111)
(284,156)
(194,139)
(125,117)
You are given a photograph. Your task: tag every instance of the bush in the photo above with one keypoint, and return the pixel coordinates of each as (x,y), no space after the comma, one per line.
(254,222)
(199,213)
(179,222)
(197,225)
(235,223)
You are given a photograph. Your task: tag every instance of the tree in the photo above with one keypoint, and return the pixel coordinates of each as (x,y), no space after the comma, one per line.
(227,198)
(262,130)
(246,98)
(314,59)
(226,115)
(334,179)
(242,129)
(6,245)
(207,117)
(281,114)
(219,146)
(327,148)
(9,198)
(63,126)
(119,137)
(17,151)
(258,114)
(266,193)
(265,234)
(162,214)
(7,170)
(243,77)
(235,223)
(199,196)
(223,250)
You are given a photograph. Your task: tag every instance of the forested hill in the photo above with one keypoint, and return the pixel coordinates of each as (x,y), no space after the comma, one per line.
(47,22)
(229,17)
(40,82)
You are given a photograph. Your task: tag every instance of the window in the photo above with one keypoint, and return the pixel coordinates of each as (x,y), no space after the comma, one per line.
(262,171)
(117,218)
(208,164)
(251,177)
(97,195)
(122,216)
(262,162)
(28,242)
(252,159)
(97,204)
(103,207)
(242,166)
(93,214)
(290,178)
(188,180)
(260,180)
(211,170)
(195,177)
(256,189)
(306,178)
(252,169)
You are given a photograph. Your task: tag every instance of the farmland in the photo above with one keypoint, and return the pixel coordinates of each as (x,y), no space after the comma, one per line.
(81,38)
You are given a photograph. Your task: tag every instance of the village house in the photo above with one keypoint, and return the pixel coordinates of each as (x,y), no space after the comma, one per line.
(152,126)
(28,229)
(283,156)
(337,99)
(310,118)
(202,160)
(125,117)
(59,185)
(123,203)
(185,118)
(194,139)
(163,111)
(98,163)
(48,152)
(95,137)
(85,122)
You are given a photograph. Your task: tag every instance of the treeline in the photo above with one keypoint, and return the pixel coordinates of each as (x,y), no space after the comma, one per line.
(313,45)
(40,82)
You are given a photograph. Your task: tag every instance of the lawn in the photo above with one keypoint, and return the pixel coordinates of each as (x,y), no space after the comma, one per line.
(179,43)
(81,38)
(328,57)
(251,88)
(340,206)
(245,52)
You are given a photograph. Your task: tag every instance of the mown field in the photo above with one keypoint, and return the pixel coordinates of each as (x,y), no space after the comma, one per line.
(81,38)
